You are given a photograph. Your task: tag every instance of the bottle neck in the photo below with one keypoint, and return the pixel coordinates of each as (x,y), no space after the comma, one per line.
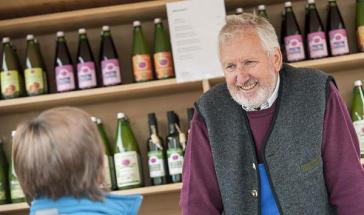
(172,128)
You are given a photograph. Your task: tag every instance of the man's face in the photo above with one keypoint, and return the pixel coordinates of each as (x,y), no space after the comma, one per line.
(250,74)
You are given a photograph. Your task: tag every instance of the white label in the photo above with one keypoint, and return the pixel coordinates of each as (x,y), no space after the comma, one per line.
(156,164)
(127,168)
(175,161)
(359,128)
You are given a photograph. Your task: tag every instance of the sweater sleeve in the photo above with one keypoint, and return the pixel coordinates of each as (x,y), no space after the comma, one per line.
(200,193)
(343,172)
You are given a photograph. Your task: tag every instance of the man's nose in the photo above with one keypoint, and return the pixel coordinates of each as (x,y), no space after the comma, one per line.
(242,74)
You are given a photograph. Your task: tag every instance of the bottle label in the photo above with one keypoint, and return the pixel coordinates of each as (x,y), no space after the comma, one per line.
(317,44)
(15,189)
(65,78)
(360,36)
(127,169)
(156,164)
(10,86)
(34,81)
(359,128)
(338,42)
(142,68)
(175,161)
(86,74)
(163,65)
(110,72)
(294,47)
(107,172)
(2,191)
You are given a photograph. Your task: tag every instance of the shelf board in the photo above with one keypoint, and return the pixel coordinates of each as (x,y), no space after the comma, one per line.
(152,190)
(81,97)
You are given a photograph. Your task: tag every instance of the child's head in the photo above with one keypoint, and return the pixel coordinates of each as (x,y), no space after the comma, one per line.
(59,153)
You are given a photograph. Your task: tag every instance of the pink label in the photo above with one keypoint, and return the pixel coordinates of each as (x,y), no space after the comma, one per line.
(65,78)
(86,74)
(294,47)
(317,44)
(110,72)
(338,42)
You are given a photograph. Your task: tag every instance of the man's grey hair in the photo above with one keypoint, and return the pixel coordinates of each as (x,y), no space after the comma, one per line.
(236,24)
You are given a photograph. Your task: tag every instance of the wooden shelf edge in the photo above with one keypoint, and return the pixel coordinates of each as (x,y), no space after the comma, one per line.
(152,190)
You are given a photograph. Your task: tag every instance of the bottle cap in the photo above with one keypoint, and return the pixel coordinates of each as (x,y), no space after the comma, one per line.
(6,39)
(311,1)
(121,115)
(157,20)
(82,31)
(60,34)
(358,83)
(136,23)
(30,37)
(152,119)
(288,4)
(239,10)
(105,28)
(98,121)
(171,117)
(93,119)
(13,132)
(261,7)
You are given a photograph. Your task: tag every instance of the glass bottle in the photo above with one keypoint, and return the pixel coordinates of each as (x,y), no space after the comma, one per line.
(65,76)
(357,114)
(163,60)
(35,74)
(337,33)
(293,39)
(360,24)
(109,60)
(156,153)
(315,33)
(86,67)
(12,80)
(16,192)
(3,176)
(262,11)
(127,155)
(142,65)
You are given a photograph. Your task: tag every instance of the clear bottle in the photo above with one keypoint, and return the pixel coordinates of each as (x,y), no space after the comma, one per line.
(127,155)
(163,60)
(12,80)
(293,39)
(357,114)
(174,149)
(360,24)
(109,60)
(35,73)
(156,153)
(142,65)
(86,68)
(63,67)
(16,192)
(337,33)
(315,33)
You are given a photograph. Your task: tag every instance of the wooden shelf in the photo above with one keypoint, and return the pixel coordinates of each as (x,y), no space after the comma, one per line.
(135,90)
(153,190)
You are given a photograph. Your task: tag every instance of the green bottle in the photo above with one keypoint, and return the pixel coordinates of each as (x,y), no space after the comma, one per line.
(35,75)
(142,65)
(174,149)
(163,60)
(156,153)
(11,76)
(127,155)
(16,193)
(65,76)
(262,11)
(86,68)
(110,176)
(357,114)
(3,176)
(360,24)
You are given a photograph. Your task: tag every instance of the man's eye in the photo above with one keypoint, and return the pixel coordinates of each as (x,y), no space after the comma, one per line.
(230,67)
(250,63)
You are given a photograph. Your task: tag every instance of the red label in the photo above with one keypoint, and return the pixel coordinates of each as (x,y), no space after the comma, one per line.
(163,65)
(142,68)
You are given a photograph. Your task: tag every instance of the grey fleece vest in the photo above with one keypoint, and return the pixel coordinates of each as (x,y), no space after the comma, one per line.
(291,151)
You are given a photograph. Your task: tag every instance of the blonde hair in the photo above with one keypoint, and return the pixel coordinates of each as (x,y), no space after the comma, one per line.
(236,24)
(59,153)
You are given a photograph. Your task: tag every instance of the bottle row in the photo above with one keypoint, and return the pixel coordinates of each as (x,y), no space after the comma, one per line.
(122,159)
(87,72)
(315,42)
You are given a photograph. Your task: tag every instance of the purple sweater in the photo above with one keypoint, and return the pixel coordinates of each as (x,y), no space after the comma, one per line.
(344,175)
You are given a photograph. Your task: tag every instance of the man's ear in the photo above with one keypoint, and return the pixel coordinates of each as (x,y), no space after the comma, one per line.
(277,59)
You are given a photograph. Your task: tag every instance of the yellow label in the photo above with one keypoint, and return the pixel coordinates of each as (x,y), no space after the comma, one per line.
(10,83)
(34,81)
(360,37)
(163,65)
(142,68)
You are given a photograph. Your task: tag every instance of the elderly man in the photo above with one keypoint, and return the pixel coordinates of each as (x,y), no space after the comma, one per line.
(273,139)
